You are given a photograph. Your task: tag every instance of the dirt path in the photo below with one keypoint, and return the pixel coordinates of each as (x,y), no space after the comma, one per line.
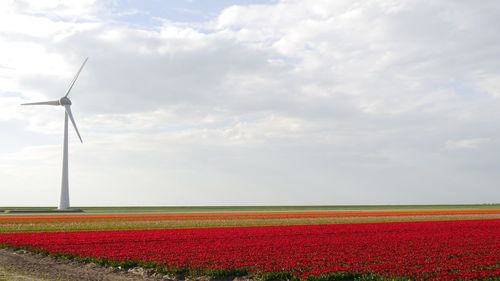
(8,275)
(22,266)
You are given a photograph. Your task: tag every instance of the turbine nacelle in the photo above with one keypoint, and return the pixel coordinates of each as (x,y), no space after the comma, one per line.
(64,101)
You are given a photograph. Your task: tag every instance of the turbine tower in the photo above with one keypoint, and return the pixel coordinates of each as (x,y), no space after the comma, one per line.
(66,102)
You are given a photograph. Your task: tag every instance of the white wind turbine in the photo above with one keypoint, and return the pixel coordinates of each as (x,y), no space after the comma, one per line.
(66,102)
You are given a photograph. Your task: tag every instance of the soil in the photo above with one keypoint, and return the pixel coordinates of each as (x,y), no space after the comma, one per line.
(25,266)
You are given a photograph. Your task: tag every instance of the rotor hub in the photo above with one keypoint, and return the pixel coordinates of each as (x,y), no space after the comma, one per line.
(64,101)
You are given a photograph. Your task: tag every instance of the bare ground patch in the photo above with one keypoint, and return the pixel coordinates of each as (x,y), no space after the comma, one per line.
(25,266)
(21,265)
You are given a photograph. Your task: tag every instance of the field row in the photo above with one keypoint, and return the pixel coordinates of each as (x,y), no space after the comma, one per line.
(448,250)
(23,223)
(253,209)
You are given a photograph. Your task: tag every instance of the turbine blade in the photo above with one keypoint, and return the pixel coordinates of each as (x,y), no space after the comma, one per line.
(76,77)
(53,102)
(67,107)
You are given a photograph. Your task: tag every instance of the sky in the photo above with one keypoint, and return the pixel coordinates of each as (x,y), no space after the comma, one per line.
(252,102)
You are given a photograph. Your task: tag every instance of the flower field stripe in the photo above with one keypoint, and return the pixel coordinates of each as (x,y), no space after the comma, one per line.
(80,222)
(236,216)
(445,250)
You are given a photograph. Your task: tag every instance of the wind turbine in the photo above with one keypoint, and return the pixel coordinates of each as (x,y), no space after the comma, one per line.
(66,102)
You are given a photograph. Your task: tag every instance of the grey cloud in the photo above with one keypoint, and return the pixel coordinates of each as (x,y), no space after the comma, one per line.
(356,102)
(135,81)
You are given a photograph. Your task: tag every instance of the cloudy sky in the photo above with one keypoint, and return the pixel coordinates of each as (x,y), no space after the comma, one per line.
(252,102)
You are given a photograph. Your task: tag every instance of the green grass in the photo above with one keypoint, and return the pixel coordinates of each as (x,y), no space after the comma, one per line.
(243,209)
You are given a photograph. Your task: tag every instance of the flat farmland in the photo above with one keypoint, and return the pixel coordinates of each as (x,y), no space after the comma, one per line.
(119,218)
(273,243)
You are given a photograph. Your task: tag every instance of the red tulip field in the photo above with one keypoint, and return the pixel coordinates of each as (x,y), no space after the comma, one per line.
(433,250)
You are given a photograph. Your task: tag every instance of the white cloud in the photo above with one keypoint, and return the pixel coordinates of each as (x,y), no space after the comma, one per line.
(466,143)
(55,9)
(490,83)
